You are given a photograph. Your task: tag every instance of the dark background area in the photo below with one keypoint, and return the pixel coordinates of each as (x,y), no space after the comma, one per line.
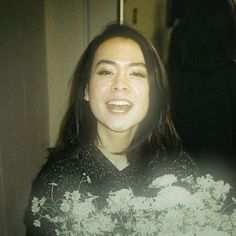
(202,73)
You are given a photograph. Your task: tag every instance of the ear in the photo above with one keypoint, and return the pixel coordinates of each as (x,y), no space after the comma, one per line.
(86,94)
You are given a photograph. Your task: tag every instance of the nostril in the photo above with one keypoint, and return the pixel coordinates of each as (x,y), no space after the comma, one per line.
(120,85)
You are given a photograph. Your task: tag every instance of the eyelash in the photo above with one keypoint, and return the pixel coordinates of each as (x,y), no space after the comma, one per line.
(108,73)
(138,74)
(104,72)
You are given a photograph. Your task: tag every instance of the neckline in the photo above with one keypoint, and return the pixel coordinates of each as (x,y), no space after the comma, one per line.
(123,162)
(109,162)
(94,157)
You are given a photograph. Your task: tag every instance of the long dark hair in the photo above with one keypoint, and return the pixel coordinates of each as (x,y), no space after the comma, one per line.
(157,127)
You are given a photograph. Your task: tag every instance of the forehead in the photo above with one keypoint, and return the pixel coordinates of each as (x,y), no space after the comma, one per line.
(119,49)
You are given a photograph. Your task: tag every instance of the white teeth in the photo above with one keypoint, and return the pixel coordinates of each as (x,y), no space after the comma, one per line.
(119,102)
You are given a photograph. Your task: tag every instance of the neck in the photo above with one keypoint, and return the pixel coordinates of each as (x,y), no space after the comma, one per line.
(112,144)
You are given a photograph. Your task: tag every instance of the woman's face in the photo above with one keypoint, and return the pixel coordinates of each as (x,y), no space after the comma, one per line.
(118,91)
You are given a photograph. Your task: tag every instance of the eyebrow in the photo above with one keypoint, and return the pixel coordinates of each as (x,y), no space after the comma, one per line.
(113,63)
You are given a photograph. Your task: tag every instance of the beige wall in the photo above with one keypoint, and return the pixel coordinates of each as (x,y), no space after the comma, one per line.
(146,11)
(23,107)
(66,37)
(100,13)
(151,20)
(70,25)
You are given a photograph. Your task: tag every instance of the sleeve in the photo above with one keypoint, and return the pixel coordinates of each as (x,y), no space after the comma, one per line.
(184,166)
(55,178)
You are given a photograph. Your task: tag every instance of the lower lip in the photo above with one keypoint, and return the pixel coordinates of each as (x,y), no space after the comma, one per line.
(118,109)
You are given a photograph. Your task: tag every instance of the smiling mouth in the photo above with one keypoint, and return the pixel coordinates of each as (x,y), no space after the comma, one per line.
(119,106)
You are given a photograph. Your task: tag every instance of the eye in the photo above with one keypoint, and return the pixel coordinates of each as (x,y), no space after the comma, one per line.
(138,74)
(105,72)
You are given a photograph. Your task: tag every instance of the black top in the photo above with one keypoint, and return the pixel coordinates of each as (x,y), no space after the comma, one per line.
(68,172)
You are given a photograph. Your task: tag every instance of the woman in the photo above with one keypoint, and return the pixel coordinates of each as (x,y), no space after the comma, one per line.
(118,131)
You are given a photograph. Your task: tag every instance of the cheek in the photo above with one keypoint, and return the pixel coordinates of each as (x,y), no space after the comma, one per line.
(145,98)
(97,91)
(142,92)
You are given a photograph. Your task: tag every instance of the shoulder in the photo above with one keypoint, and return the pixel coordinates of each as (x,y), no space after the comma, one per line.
(181,165)
(59,165)
(57,171)
(63,163)
(63,169)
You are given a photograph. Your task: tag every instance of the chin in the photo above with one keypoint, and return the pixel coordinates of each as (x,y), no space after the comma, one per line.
(118,129)
(122,128)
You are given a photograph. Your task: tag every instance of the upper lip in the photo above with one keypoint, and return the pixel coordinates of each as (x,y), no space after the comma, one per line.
(119,102)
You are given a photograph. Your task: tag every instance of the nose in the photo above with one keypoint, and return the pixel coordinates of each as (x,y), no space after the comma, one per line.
(120,83)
